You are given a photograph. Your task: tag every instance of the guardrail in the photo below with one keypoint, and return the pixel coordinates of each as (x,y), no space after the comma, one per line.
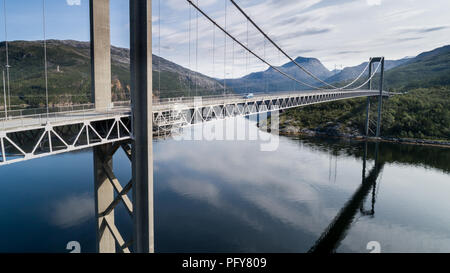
(81,114)
(37,111)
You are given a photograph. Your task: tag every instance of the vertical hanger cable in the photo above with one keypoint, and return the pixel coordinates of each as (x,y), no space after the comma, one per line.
(45,57)
(196,54)
(225,53)
(7,56)
(159,47)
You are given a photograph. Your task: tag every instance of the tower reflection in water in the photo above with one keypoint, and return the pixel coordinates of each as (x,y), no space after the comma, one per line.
(331,238)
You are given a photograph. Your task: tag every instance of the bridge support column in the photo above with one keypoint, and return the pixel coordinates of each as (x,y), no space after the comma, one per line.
(380,96)
(100,53)
(367,116)
(141,96)
(104,196)
(108,194)
(368,99)
(380,99)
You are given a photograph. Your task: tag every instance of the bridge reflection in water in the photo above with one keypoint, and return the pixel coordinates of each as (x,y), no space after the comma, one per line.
(333,235)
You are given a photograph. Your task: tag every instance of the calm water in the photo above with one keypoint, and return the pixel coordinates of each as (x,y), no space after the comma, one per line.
(229,196)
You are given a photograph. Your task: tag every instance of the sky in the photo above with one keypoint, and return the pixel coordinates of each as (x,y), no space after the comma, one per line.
(339,33)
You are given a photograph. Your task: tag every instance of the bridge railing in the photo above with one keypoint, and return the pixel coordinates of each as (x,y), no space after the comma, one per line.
(226,97)
(78,113)
(38,111)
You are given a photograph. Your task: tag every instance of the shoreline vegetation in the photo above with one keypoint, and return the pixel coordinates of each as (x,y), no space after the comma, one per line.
(410,141)
(419,117)
(289,132)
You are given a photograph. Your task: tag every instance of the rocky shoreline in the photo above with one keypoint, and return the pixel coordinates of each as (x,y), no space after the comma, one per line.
(311,133)
(347,132)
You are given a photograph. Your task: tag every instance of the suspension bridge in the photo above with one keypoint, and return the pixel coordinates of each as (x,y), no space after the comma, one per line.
(106,126)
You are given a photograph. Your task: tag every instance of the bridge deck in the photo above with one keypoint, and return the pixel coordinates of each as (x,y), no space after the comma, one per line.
(23,137)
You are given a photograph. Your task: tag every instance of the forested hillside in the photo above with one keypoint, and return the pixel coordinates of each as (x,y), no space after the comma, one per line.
(69,78)
(423,111)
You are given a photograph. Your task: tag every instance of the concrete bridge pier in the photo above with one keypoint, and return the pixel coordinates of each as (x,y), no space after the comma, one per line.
(141,101)
(104,196)
(101,96)
(100,53)
(108,191)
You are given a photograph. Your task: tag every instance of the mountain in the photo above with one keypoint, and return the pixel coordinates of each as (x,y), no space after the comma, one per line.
(350,73)
(423,112)
(271,80)
(69,74)
(429,69)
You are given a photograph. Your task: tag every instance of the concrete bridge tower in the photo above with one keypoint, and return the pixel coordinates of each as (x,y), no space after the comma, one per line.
(108,190)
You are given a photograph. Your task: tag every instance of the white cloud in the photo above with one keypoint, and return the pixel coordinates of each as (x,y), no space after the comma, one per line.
(73,2)
(373,2)
(299,202)
(73,211)
(310,28)
(179,5)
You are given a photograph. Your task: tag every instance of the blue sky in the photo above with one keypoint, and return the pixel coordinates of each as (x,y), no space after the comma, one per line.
(338,32)
(65,19)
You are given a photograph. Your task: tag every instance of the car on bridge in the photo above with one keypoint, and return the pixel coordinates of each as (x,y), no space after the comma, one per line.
(248,96)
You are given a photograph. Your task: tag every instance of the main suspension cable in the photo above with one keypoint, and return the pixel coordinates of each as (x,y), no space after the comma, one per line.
(249,50)
(279,48)
(357,78)
(370,78)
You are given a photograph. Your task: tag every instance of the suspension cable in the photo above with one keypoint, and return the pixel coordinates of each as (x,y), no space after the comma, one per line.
(7,56)
(225,53)
(45,56)
(214,57)
(196,53)
(370,78)
(232,62)
(249,50)
(357,78)
(4,94)
(190,67)
(266,87)
(279,63)
(278,47)
(159,46)
(246,62)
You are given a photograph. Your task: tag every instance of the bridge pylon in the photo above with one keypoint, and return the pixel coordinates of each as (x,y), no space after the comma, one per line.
(379,60)
(108,190)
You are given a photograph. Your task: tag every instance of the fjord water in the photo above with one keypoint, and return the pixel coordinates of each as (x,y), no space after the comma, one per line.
(229,196)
